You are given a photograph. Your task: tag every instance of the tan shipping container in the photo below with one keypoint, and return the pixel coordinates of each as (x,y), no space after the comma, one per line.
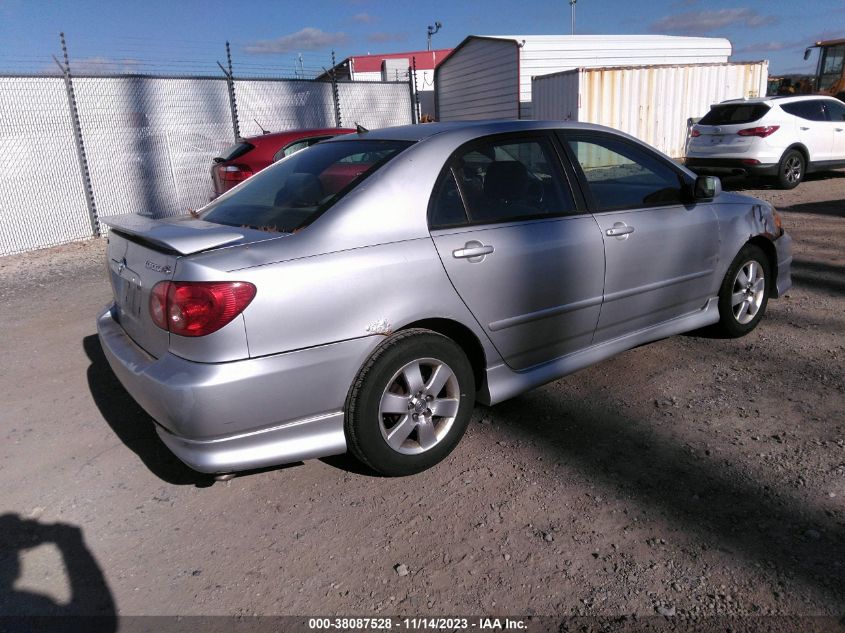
(652,103)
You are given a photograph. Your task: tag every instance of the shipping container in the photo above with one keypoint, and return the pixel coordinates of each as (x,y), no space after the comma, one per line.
(652,103)
(489,77)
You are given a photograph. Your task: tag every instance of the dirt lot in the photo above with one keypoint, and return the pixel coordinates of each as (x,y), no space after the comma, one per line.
(693,476)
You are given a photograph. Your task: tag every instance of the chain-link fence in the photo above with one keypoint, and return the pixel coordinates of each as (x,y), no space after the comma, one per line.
(374,104)
(283,105)
(149,142)
(42,201)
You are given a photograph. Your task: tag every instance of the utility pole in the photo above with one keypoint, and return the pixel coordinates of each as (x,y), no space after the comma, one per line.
(572,14)
(431,31)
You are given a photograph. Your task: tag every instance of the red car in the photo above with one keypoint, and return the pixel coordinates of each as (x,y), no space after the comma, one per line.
(253,154)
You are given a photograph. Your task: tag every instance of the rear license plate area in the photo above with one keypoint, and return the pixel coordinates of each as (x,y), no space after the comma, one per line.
(127,292)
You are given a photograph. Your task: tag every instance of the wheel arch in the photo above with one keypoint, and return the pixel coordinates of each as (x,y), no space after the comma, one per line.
(804,152)
(464,337)
(768,248)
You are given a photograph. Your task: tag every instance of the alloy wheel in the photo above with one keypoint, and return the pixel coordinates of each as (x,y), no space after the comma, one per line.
(792,169)
(418,406)
(748,291)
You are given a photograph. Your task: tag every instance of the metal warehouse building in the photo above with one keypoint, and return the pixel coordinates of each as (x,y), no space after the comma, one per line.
(489,77)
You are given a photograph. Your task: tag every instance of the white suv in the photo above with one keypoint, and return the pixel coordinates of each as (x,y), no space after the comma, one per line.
(784,137)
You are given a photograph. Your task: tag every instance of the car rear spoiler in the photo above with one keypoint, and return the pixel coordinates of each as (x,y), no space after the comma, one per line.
(180,234)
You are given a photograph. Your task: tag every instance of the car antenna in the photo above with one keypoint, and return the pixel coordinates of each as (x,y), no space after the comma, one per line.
(263,131)
(360,129)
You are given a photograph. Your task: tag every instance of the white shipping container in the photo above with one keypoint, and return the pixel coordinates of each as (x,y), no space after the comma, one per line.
(652,103)
(490,76)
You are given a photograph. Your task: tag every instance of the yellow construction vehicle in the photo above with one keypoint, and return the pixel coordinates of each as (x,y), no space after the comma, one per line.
(830,72)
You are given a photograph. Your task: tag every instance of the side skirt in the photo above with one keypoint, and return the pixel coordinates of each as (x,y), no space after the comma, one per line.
(503,382)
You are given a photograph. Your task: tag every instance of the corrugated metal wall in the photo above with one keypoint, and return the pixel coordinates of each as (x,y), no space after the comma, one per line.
(479,81)
(149,141)
(652,103)
(41,197)
(541,55)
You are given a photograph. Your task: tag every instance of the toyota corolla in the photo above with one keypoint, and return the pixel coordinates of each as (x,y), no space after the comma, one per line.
(364,293)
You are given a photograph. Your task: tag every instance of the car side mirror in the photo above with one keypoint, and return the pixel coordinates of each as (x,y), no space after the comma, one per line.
(706,187)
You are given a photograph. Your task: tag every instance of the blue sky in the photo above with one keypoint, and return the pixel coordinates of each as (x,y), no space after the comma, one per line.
(267,37)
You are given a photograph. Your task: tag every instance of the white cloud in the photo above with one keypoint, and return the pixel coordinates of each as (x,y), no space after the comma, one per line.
(363,18)
(700,22)
(308,39)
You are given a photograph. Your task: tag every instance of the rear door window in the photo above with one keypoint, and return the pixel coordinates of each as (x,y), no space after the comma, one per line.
(505,179)
(811,110)
(734,114)
(293,148)
(447,207)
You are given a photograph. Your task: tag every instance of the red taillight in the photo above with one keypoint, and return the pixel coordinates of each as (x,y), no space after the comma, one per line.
(158,304)
(200,307)
(695,134)
(231,175)
(762,132)
(750,161)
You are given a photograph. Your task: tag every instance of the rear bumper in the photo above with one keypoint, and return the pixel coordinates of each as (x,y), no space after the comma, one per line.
(729,167)
(783,248)
(245,414)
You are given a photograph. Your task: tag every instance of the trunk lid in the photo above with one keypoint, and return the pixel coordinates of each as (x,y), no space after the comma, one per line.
(144,251)
(181,235)
(134,268)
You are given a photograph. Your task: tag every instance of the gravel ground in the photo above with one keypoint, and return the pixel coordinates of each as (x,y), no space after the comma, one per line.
(691,477)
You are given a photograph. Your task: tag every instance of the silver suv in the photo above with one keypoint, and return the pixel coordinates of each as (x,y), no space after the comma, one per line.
(782,137)
(366,292)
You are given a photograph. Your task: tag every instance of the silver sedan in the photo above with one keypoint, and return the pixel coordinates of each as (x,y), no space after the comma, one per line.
(363,294)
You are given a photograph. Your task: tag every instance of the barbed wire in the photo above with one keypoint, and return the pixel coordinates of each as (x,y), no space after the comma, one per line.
(138,55)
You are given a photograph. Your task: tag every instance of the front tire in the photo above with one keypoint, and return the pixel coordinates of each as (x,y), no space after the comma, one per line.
(744,293)
(410,404)
(791,169)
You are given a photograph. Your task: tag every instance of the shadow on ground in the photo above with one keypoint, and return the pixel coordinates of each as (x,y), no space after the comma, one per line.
(89,593)
(741,184)
(819,276)
(763,524)
(131,423)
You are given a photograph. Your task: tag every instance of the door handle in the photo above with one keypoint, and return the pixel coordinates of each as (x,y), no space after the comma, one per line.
(839,129)
(803,128)
(619,230)
(474,251)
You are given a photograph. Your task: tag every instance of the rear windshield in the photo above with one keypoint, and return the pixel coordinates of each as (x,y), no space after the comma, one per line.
(295,191)
(734,113)
(237,150)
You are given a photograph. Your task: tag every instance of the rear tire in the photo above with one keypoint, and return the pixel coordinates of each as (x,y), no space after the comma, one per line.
(791,169)
(744,293)
(410,404)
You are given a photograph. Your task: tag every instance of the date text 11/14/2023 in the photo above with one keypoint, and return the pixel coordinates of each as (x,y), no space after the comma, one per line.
(419,623)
